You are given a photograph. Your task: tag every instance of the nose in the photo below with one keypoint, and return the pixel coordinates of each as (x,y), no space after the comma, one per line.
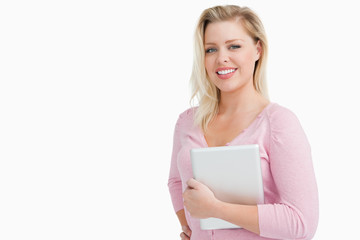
(223,57)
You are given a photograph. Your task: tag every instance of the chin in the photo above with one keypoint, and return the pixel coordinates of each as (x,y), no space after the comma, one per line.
(232,86)
(229,88)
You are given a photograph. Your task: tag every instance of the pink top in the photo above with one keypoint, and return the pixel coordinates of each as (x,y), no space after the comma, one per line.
(291,204)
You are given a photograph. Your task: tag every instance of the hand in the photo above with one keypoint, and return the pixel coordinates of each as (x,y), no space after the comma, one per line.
(186,234)
(199,200)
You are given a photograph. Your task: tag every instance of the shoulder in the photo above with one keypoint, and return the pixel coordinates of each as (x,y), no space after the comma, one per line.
(186,117)
(188,113)
(283,123)
(279,115)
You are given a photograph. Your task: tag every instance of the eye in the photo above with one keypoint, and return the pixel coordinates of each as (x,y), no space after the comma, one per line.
(210,50)
(235,46)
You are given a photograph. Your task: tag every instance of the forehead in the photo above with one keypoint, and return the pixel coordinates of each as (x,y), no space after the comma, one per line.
(220,32)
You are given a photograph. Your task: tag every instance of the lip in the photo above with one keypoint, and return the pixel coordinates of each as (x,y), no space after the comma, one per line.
(225,76)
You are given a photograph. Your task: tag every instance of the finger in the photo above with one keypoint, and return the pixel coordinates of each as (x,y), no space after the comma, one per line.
(186,192)
(184,236)
(186,230)
(187,189)
(192,183)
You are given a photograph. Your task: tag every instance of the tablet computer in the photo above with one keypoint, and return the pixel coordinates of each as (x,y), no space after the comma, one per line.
(233,173)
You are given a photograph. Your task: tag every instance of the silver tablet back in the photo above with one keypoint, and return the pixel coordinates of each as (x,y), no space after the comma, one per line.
(233,173)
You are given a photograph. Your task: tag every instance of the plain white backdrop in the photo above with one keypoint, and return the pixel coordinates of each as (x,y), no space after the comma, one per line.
(90,92)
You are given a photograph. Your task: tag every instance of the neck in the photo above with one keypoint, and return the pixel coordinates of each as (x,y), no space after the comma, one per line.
(245,99)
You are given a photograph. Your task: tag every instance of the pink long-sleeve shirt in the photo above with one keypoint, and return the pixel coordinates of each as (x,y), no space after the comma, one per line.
(291,205)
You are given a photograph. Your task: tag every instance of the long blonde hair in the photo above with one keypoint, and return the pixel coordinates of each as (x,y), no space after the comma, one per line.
(203,89)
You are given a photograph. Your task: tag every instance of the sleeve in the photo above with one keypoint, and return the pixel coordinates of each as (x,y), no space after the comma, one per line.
(174,181)
(295,216)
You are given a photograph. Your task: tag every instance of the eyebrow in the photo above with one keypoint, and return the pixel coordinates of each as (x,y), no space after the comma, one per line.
(228,41)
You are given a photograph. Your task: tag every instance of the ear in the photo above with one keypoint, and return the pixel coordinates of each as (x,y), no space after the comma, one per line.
(258,49)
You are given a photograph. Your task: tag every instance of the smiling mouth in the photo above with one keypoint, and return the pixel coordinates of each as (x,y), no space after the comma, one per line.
(227,71)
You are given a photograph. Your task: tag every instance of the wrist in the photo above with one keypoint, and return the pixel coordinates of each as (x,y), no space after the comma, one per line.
(217,208)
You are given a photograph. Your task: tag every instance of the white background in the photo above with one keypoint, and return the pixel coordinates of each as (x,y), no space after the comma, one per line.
(90,92)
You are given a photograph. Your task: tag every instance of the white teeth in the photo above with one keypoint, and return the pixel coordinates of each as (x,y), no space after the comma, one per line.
(223,72)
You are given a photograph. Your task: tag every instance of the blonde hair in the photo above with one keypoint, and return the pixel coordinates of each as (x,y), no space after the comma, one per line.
(203,89)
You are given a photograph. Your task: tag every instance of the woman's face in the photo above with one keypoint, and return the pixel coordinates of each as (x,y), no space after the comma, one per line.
(230,55)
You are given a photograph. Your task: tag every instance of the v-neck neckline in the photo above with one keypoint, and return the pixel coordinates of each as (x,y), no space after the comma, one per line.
(241,133)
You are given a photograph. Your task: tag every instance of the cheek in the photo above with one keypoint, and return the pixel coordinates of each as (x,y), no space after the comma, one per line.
(208,65)
(246,62)
(251,57)
(246,58)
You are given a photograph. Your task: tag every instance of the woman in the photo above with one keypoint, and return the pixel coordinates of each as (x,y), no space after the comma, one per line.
(229,80)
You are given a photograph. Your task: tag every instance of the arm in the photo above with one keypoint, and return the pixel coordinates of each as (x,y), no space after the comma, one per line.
(295,213)
(181,216)
(174,181)
(186,234)
(200,201)
(245,216)
(175,184)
